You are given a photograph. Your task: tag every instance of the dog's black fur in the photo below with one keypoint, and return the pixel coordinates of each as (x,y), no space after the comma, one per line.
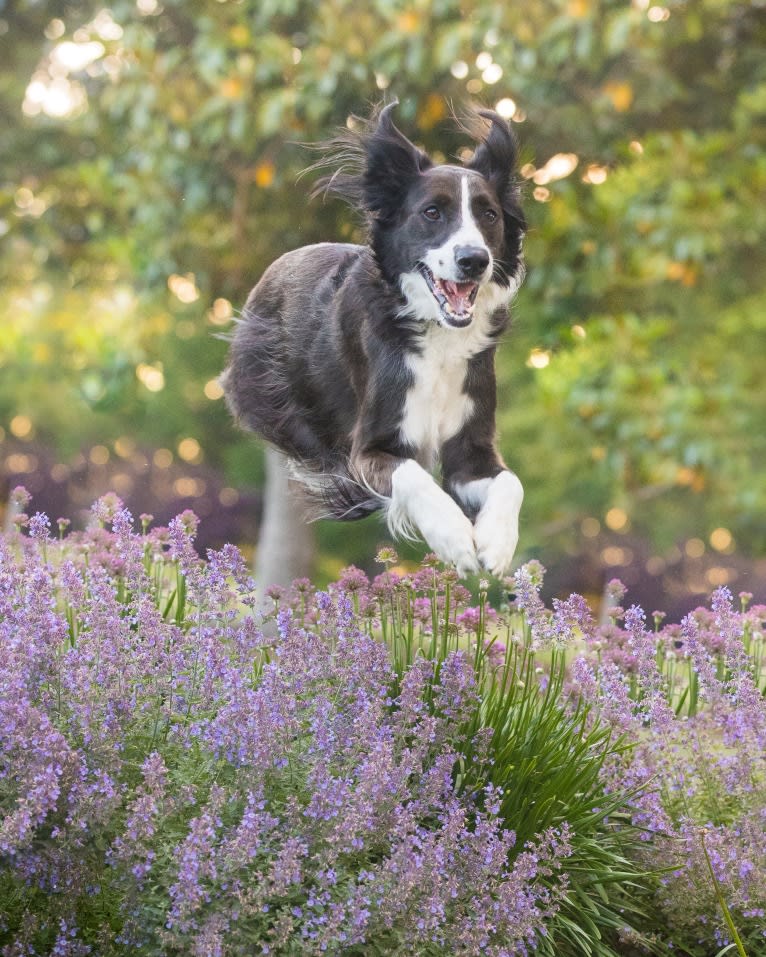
(322,362)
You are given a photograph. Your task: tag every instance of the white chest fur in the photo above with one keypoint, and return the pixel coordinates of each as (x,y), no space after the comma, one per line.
(436,406)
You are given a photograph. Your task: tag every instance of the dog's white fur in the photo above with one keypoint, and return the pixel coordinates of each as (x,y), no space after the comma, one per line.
(435,410)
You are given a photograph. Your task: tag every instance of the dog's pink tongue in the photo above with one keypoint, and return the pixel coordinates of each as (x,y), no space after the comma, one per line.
(459,295)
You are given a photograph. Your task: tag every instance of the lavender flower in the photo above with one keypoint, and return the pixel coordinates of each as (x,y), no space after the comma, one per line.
(173,781)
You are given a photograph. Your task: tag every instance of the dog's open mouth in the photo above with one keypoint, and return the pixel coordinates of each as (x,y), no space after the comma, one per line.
(455,299)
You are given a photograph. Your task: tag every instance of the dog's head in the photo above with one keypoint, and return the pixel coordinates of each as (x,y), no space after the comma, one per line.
(444,234)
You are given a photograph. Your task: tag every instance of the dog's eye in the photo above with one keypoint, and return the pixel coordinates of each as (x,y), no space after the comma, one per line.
(432,213)
(491,216)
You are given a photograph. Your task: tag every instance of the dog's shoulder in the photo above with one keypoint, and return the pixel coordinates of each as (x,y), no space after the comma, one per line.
(310,267)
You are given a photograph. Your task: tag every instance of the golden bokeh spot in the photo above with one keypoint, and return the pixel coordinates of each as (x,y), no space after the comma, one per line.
(122,483)
(228,497)
(232,88)
(432,112)
(163,458)
(578,9)
(240,35)
(506,107)
(595,174)
(184,288)
(99,455)
(60,472)
(188,487)
(408,22)
(598,453)
(614,555)
(719,575)
(695,548)
(539,359)
(21,426)
(190,450)
(151,377)
(621,95)
(722,540)
(124,446)
(263,174)
(221,312)
(655,565)
(558,167)
(616,519)
(590,527)
(19,464)
(213,390)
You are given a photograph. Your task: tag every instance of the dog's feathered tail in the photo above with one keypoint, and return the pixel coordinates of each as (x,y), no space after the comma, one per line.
(336,490)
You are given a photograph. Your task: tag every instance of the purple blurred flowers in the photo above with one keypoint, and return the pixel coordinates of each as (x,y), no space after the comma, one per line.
(173,781)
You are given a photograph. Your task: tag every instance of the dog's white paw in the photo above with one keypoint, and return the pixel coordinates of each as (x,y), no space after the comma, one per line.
(496,546)
(496,531)
(452,541)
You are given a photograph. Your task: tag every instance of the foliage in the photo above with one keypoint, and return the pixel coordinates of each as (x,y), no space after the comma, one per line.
(142,193)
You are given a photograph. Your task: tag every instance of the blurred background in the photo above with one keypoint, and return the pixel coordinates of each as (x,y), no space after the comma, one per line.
(150,153)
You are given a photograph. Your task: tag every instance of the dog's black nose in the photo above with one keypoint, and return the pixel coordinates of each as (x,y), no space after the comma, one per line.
(472,260)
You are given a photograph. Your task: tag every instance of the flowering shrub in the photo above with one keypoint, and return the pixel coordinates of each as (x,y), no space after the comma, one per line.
(174,782)
(691,698)
(378,768)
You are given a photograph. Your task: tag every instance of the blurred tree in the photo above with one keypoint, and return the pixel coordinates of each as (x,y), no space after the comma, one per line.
(148,164)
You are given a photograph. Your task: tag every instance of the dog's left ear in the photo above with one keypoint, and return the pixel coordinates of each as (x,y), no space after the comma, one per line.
(392,162)
(495,157)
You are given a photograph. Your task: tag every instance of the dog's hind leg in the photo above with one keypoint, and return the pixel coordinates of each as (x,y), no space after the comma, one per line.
(259,393)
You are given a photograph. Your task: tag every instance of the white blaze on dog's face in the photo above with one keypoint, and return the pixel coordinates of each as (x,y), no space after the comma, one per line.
(454,235)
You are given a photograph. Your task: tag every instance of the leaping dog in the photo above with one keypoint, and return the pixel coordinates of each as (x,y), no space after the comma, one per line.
(371,365)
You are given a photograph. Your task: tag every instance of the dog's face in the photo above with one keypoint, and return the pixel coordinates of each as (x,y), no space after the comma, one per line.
(451,241)
(446,235)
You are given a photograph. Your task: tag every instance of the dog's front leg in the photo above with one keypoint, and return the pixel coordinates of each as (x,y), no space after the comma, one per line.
(417,502)
(496,529)
(415,505)
(477,477)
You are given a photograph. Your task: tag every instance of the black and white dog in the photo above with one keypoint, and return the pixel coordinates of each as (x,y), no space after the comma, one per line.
(369,365)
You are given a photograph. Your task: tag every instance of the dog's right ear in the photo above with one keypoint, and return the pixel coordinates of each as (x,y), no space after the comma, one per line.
(392,162)
(371,165)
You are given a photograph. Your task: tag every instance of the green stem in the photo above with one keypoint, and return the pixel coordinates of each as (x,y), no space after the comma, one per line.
(724,906)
